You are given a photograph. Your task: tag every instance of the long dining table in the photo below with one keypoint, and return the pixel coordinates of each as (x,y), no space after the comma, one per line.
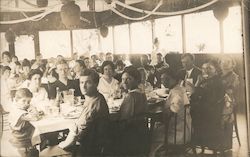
(60,121)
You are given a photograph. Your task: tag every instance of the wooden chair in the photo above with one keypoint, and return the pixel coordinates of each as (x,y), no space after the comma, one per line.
(4,120)
(235,125)
(154,114)
(54,151)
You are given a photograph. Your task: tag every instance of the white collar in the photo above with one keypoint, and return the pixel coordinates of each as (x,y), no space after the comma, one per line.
(135,90)
(189,72)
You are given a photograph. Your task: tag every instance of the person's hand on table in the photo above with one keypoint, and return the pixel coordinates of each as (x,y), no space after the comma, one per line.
(70,140)
(31,117)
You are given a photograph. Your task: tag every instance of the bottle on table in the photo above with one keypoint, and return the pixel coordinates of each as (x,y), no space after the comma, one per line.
(71,96)
(58,99)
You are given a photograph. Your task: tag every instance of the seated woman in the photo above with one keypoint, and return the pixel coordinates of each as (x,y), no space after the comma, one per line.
(207,104)
(107,84)
(5,89)
(231,82)
(40,95)
(178,126)
(26,69)
(119,70)
(144,86)
(78,67)
(15,79)
(63,82)
(132,129)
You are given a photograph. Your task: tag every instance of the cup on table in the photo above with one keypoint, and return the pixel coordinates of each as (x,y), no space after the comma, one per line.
(47,108)
(78,100)
(110,100)
(68,97)
(55,111)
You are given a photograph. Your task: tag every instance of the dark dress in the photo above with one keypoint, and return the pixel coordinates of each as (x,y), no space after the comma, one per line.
(230,82)
(206,111)
(194,74)
(131,134)
(159,69)
(71,84)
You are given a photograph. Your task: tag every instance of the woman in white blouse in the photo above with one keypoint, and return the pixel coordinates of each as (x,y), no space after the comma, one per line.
(40,95)
(107,84)
(5,89)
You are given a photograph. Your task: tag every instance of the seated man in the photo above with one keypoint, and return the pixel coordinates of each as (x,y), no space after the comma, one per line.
(91,127)
(189,74)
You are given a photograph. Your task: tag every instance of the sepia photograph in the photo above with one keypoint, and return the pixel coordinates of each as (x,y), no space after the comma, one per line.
(125,78)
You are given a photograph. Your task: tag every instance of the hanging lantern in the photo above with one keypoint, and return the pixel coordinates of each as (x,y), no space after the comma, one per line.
(220,11)
(104,30)
(108,1)
(10,36)
(70,14)
(42,3)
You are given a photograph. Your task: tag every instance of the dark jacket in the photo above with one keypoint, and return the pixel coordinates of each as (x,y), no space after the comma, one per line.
(93,126)
(71,84)
(131,132)
(207,103)
(194,74)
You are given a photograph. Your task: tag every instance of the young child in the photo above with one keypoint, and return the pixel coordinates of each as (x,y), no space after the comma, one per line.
(19,119)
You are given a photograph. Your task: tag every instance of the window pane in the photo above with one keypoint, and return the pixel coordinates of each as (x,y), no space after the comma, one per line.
(202,33)
(121,35)
(169,33)
(53,43)
(233,31)
(107,43)
(24,47)
(4,46)
(141,37)
(85,41)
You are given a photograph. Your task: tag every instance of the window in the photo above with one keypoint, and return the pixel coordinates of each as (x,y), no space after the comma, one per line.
(141,37)
(53,43)
(24,47)
(107,43)
(121,38)
(169,33)
(4,45)
(202,33)
(233,31)
(85,41)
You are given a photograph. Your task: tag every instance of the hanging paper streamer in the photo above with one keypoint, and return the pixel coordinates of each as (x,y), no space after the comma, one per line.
(164,13)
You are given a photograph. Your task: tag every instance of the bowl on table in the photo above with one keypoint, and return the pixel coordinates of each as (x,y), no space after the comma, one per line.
(73,114)
(163,92)
(114,109)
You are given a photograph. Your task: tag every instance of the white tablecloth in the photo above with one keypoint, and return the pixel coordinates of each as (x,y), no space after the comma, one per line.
(49,124)
(58,123)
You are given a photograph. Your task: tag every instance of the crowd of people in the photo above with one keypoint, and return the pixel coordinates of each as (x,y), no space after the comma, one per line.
(208,91)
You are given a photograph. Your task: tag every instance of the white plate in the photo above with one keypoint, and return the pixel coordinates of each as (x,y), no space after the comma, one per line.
(73,115)
(163,95)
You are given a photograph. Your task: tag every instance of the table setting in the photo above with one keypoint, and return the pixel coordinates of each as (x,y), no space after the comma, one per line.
(157,95)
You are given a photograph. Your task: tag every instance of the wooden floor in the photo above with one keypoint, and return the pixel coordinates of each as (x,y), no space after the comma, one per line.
(8,151)
(237,151)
